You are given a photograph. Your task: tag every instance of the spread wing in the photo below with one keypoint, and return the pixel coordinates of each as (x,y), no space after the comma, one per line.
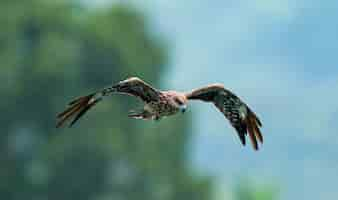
(138,88)
(234,109)
(131,86)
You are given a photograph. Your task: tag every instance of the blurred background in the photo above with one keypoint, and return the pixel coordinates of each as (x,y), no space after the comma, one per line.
(278,55)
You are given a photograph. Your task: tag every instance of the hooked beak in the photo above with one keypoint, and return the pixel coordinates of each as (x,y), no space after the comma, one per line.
(183,108)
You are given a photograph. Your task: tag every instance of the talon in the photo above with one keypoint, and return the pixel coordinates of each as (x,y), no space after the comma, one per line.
(156,118)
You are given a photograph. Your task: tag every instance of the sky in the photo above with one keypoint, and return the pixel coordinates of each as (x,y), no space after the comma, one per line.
(280,57)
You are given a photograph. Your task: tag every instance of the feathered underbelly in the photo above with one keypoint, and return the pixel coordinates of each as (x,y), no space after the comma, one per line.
(161,108)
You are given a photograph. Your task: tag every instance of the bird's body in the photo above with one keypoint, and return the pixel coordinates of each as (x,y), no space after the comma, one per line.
(164,106)
(158,104)
(156,109)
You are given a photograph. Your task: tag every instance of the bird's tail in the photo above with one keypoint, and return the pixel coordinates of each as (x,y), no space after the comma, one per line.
(77,108)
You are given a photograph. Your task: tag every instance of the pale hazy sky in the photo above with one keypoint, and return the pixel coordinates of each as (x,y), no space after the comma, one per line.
(280,57)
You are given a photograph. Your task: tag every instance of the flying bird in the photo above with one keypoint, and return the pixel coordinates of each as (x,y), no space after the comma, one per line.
(158,104)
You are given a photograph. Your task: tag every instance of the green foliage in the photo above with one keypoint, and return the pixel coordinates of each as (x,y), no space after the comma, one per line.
(50,52)
(246,190)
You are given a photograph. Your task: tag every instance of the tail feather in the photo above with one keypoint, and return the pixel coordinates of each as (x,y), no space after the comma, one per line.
(78,108)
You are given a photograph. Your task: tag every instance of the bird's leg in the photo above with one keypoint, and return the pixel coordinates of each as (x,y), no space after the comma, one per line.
(140,114)
(156,118)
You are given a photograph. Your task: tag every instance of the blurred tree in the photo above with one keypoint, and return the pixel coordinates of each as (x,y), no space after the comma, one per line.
(52,51)
(246,190)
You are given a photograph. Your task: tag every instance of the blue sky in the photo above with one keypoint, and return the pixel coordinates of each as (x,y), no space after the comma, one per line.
(280,57)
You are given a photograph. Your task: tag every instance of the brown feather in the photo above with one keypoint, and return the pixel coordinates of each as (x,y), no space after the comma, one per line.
(256,124)
(231,105)
(77,106)
(75,103)
(61,115)
(67,115)
(137,87)
(80,99)
(252,136)
(256,119)
(83,111)
(258,134)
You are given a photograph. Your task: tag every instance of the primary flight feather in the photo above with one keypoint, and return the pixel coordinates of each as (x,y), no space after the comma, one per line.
(158,104)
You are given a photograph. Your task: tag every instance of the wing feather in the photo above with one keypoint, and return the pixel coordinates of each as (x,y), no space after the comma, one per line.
(252,134)
(77,108)
(138,88)
(234,109)
(131,86)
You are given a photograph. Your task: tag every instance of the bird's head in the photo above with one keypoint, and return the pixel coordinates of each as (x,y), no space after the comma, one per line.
(181,102)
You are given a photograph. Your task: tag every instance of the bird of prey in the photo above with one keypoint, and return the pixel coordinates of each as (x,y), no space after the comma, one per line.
(158,104)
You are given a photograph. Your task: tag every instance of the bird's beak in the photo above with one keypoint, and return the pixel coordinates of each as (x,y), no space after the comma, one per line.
(183,108)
